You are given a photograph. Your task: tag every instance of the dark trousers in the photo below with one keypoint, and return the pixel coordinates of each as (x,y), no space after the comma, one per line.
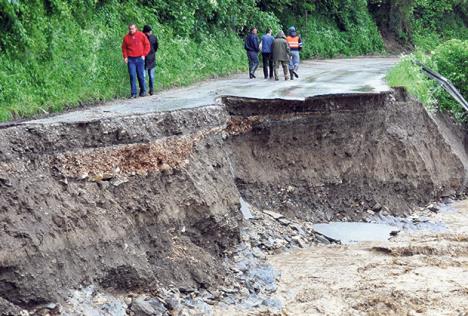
(267,65)
(151,78)
(253,61)
(136,69)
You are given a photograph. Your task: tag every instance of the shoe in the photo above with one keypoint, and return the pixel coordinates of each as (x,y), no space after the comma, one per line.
(250,76)
(291,74)
(253,76)
(295,74)
(276,79)
(286,78)
(143,94)
(151,92)
(133,96)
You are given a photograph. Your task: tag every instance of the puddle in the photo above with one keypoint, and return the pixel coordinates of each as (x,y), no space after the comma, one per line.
(352,232)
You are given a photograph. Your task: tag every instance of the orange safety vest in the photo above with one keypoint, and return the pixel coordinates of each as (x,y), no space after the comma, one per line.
(293,42)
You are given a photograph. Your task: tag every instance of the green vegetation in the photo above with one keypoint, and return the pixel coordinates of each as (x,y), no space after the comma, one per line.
(450,59)
(439,32)
(61,53)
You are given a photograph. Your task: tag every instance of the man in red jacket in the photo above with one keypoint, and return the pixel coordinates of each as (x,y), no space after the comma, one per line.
(135,47)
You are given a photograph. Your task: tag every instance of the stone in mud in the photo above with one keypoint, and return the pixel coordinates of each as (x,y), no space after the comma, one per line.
(173,302)
(275,215)
(321,239)
(433,208)
(377,207)
(9,309)
(284,221)
(145,306)
(299,241)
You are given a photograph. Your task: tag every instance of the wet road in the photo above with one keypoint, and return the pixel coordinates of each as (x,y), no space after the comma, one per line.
(316,77)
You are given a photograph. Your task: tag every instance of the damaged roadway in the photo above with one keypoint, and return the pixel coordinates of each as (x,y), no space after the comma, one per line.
(142,199)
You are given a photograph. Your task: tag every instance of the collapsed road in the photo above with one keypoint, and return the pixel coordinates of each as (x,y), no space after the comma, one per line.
(135,207)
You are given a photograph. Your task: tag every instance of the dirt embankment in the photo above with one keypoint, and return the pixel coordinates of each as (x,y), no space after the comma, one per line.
(342,156)
(135,203)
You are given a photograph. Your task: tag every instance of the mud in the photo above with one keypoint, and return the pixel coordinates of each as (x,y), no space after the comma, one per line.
(151,202)
(415,273)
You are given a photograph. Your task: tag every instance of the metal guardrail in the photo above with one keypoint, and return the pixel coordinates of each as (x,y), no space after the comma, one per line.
(445,83)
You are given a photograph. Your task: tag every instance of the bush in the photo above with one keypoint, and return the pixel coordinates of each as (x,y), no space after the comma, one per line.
(450,59)
(355,33)
(69,54)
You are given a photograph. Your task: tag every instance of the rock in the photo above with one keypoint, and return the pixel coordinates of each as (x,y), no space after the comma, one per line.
(298,228)
(258,253)
(6,182)
(118,181)
(299,241)
(284,221)
(145,306)
(321,239)
(8,309)
(433,208)
(229,290)
(127,300)
(279,243)
(173,303)
(273,214)
(290,189)
(377,207)
(186,290)
(164,167)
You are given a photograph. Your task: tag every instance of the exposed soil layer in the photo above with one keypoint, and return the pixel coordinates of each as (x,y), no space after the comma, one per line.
(139,202)
(342,156)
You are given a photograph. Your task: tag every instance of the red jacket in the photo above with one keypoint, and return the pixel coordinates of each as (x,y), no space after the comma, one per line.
(136,45)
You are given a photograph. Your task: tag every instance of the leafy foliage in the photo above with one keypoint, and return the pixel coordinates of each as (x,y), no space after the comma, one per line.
(450,59)
(61,53)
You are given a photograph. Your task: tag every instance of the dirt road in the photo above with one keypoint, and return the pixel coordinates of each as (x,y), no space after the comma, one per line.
(422,273)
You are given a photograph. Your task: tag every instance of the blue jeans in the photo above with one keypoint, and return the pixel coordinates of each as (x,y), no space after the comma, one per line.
(136,69)
(294,61)
(151,78)
(253,61)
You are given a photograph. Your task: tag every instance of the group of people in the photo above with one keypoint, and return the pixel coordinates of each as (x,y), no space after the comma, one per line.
(139,52)
(280,50)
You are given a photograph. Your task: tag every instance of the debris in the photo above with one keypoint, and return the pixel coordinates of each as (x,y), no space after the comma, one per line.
(377,207)
(145,306)
(273,214)
(284,221)
(119,181)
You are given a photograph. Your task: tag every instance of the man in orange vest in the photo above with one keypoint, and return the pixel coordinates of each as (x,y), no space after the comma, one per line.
(295,44)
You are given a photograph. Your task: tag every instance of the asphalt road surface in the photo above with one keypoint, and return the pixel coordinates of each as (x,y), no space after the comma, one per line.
(317,77)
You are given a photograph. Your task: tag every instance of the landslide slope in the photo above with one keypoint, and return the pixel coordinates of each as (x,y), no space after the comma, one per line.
(139,202)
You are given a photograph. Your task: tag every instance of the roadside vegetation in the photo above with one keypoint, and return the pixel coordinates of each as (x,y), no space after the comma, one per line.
(440,37)
(58,54)
(449,59)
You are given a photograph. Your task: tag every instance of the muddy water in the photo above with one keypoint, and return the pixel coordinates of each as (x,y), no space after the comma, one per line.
(419,273)
(349,232)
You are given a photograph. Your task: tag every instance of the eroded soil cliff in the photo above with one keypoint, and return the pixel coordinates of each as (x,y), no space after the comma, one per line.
(141,202)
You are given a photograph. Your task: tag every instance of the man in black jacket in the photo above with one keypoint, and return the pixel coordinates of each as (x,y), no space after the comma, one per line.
(251,45)
(150,60)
